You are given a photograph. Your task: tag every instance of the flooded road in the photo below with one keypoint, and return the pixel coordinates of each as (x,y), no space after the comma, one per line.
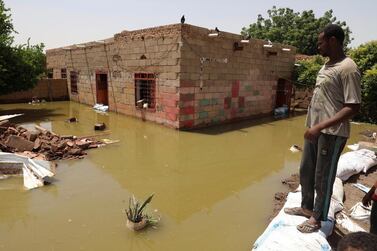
(213,188)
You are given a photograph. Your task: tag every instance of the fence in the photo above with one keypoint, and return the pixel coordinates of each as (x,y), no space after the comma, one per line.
(48,89)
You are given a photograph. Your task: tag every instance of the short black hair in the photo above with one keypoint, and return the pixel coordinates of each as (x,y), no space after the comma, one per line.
(360,240)
(334,30)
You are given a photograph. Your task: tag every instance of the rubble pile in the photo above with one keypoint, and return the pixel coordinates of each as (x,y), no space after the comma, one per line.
(301,99)
(44,144)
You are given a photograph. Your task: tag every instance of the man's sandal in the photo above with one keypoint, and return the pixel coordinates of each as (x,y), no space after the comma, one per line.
(307,227)
(296,211)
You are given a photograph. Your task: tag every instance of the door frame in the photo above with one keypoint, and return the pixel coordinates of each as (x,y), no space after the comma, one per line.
(283,93)
(98,79)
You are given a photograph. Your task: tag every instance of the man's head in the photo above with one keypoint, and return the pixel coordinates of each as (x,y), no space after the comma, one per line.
(330,39)
(359,241)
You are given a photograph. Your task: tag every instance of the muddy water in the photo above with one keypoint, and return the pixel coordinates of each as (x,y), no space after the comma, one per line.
(213,188)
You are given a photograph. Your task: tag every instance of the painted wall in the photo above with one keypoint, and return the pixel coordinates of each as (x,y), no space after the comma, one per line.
(219,83)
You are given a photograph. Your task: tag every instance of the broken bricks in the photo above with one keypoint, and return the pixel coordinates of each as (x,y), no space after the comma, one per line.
(46,143)
(19,143)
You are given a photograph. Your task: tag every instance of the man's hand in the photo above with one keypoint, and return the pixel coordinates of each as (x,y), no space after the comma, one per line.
(312,133)
(345,113)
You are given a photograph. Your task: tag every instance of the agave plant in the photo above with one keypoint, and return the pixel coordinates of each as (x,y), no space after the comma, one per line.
(135,211)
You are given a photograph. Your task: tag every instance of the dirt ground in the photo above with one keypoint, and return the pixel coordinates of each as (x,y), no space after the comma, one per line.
(352,195)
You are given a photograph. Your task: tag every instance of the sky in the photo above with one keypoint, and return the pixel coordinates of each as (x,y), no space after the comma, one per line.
(61,23)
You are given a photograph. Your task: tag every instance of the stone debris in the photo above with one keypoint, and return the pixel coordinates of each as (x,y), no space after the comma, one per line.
(72,120)
(301,99)
(44,144)
(19,143)
(99,126)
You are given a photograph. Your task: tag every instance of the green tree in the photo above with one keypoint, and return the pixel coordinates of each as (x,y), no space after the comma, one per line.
(20,66)
(301,30)
(305,73)
(368,111)
(365,55)
(6,26)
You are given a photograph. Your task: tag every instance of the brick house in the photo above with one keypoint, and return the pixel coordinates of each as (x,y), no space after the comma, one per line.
(178,75)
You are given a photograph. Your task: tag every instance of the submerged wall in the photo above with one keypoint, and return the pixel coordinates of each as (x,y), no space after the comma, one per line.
(199,80)
(223,79)
(154,50)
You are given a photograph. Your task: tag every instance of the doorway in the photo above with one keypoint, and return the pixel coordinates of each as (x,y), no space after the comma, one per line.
(283,93)
(102,90)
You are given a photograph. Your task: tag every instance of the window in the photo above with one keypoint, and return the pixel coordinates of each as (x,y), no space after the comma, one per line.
(73,78)
(145,86)
(63,73)
(50,73)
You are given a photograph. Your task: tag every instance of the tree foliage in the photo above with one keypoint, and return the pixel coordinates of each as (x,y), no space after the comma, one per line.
(301,30)
(365,56)
(368,111)
(305,72)
(20,66)
(6,26)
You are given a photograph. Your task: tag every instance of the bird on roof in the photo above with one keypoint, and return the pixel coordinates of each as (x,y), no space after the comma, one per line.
(269,42)
(183,19)
(248,37)
(217,30)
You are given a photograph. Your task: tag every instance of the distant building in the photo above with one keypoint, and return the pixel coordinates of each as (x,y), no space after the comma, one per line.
(178,75)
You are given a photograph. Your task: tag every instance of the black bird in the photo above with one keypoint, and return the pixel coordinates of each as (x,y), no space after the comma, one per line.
(183,19)
(217,30)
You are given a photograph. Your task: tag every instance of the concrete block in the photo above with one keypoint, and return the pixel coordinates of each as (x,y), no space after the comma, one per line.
(187,97)
(19,143)
(204,102)
(214,101)
(203,115)
(186,124)
(187,110)
(227,102)
(171,116)
(185,90)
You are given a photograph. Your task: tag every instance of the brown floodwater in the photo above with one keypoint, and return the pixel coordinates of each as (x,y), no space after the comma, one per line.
(213,188)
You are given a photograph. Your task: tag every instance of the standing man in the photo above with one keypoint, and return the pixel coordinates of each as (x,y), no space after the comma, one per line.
(336,98)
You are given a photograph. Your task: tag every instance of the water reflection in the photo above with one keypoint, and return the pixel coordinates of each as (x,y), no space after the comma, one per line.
(214,187)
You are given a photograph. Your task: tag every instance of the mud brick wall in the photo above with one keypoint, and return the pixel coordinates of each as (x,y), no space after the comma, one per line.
(228,84)
(200,80)
(48,89)
(153,50)
(56,61)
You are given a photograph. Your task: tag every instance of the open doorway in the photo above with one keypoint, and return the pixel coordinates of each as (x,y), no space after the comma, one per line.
(102,89)
(283,93)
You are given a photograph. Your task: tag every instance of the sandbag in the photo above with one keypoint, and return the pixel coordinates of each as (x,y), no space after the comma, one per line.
(354,162)
(282,234)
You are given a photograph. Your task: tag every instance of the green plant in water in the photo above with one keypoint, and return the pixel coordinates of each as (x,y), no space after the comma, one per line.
(135,211)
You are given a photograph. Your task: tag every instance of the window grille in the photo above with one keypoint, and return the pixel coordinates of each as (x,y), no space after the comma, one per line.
(63,73)
(50,73)
(145,90)
(73,78)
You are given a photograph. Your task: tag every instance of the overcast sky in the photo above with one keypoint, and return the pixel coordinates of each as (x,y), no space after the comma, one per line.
(60,23)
